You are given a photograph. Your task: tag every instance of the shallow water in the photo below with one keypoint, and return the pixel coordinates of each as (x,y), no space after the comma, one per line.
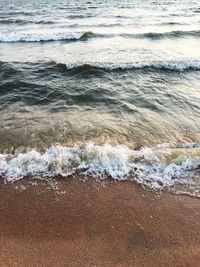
(114,72)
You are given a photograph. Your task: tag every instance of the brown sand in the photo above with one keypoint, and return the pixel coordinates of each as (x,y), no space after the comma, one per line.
(88,224)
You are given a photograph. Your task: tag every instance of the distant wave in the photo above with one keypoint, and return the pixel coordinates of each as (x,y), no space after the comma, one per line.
(24,21)
(158,35)
(170,34)
(63,36)
(11,21)
(157,167)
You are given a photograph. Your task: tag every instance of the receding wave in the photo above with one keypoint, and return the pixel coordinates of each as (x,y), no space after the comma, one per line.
(158,167)
(61,36)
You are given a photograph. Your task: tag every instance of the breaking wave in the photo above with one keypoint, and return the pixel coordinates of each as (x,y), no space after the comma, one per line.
(176,65)
(162,166)
(60,36)
(63,36)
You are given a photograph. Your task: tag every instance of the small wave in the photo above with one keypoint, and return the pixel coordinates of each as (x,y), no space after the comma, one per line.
(162,65)
(158,167)
(157,35)
(177,66)
(23,21)
(80,16)
(171,34)
(11,21)
(23,13)
(171,23)
(62,36)
(44,22)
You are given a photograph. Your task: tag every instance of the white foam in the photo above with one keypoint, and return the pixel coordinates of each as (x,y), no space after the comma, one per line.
(38,37)
(177,65)
(153,167)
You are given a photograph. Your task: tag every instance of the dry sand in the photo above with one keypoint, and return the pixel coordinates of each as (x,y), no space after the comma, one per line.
(88,224)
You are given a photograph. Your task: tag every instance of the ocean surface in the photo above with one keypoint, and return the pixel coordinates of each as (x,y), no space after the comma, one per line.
(103,89)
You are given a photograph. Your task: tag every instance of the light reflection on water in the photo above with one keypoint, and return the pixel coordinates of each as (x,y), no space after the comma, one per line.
(130,75)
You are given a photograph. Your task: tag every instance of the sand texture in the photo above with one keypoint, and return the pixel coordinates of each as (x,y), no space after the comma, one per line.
(88,224)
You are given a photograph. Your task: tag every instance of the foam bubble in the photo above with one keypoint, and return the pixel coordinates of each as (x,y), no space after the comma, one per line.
(156,168)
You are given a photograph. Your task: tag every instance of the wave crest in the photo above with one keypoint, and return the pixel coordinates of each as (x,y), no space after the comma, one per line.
(61,36)
(179,65)
(170,34)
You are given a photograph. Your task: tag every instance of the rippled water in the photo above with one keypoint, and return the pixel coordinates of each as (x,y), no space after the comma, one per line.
(119,72)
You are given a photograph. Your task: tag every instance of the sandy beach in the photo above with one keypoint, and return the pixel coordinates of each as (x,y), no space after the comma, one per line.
(95,224)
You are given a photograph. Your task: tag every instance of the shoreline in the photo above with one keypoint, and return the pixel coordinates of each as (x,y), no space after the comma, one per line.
(96,224)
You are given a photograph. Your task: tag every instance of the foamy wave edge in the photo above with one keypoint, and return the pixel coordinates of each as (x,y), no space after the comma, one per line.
(178,65)
(158,167)
(60,36)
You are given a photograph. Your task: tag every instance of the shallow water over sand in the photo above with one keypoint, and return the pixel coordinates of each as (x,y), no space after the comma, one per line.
(106,72)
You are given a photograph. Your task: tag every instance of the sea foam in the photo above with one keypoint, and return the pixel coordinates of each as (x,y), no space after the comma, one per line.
(42,37)
(157,167)
(62,36)
(176,65)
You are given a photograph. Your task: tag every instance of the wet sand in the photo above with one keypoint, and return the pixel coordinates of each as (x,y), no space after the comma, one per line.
(89,224)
